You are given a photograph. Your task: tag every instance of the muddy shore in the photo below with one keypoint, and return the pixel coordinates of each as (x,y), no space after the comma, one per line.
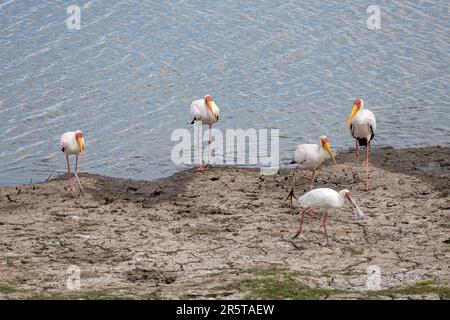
(227,234)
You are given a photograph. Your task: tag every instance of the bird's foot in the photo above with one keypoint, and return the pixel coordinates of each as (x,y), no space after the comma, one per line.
(367,188)
(82,192)
(200,168)
(290,195)
(327,245)
(357,180)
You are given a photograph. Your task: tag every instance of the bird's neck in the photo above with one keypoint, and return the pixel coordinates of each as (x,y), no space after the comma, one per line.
(322,150)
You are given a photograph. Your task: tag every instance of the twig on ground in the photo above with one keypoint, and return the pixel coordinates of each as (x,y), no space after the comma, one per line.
(50,175)
(9,198)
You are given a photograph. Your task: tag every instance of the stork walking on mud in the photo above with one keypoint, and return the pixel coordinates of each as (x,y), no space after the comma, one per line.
(206,111)
(310,157)
(72,143)
(325,198)
(363,125)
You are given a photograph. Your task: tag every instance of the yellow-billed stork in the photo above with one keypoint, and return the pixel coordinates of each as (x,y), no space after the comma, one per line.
(72,143)
(206,111)
(363,125)
(310,157)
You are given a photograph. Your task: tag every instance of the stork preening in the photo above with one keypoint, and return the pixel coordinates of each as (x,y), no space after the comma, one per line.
(206,111)
(310,157)
(363,125)
(72,143)
(325,198)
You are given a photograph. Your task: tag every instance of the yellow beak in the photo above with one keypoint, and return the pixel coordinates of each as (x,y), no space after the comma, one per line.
(354,111)
(80,146)
(209,104)
(327,147)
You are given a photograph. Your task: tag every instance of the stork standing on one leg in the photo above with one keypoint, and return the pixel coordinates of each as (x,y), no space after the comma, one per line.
(72,143)
(310,157)
(206,111)
(363,125)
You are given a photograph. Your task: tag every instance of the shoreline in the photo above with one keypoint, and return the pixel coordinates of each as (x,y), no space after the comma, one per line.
(227,234)
(344,152)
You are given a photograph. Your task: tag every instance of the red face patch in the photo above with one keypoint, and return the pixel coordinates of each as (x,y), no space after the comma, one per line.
(208,98)
(78,135)
(358,103)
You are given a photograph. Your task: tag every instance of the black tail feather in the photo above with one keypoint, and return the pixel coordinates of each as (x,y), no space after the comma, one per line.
(362,142)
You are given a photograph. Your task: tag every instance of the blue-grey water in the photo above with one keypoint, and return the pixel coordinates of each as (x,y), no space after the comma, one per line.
(128,76)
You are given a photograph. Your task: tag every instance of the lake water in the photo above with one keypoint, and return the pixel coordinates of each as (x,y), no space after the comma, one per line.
(128,76)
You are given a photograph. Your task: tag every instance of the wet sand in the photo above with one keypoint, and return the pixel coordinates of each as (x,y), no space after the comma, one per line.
(227,234)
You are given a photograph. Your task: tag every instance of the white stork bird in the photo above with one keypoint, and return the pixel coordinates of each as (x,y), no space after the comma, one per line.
(363,125)
(325,198)
(310,157)
(206,111)
(72,143)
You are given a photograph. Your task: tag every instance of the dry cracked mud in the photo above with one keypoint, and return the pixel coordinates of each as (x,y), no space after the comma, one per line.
(227,233)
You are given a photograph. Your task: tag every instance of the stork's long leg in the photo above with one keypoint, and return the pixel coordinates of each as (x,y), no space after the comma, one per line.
(367,164)
(68,174)
(200,167)
(325,226)
(357,154)
(313,175)
(209,145)
(302,213)
(76,175)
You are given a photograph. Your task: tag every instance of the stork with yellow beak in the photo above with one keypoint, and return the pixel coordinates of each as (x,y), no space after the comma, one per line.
(310,157)
(206,111)
(363,125)
(72,143)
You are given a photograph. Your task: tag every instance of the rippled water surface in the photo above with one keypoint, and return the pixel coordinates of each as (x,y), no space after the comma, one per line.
(128,76)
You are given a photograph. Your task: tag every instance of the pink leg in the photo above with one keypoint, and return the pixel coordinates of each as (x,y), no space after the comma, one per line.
(198,138)
(367,165)
(311,183)
(357,154)
(76,174)
(68,167)
(209,144)
(302,212)
(68,174)
(325,226)
(200,167)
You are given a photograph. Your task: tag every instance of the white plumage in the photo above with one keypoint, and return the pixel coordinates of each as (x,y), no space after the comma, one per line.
(323,198)
(363,126)
(72,143)
(310,156)
(68,143)
(201,111)
(206,111)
